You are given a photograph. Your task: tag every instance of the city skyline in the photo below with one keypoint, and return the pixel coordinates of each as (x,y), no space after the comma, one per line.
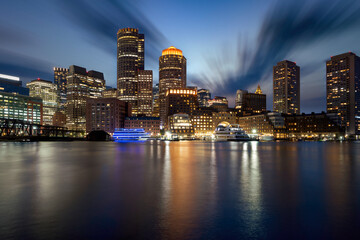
(41,51)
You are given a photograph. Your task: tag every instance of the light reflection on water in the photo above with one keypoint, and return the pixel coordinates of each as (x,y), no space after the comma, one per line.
(179,190)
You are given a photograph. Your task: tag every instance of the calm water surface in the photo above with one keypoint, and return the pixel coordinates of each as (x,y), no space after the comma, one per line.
(179,190)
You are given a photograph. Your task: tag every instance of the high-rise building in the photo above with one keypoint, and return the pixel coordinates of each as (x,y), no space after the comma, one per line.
(80,86)
(60,75)
(145,93)
(250,103)
(286,87)
(204,96)
(110,93)
(181,100)
(343,90)
(47,91)
(20,107)
(106,114)
(130,59)
(172,75)
(219,103)
(156,103)
(12,84)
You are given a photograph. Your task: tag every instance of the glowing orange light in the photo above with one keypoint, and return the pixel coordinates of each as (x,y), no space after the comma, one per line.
(172,51)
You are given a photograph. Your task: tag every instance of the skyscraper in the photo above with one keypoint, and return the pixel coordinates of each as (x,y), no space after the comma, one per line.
(250,103)
(204,96)
(47,91)
(156,104)
(130,59)
(60,80)
(286,87)
(145,92)
(343,90)
(172,74)
(80,86)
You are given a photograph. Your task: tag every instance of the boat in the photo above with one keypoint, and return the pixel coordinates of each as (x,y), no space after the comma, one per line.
(230,132)
(135,134)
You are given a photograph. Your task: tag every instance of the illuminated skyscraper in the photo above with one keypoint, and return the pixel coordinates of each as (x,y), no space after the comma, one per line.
(286,87)
(80,86)
(250,103)
(60,80)
(47,91)
(156,103)
(172,74)
(343,90)
(145,92)
(130,59)
(204,96)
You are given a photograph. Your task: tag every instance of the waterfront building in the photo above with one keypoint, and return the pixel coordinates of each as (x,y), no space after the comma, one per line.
(156,103)
(204,96)
(286,87)
(48,92)
(80,86)
(268,124)
(21,107)
(343,90)
(180,126)
(106,114)
(12,84)
(250,103)
(149,124)
(180,100)
(202,121)
(110,93)
(59,119)
(60,75)
(313,126)
(145,93)
(172,75)
(219,103)
(229,116)
(130,59)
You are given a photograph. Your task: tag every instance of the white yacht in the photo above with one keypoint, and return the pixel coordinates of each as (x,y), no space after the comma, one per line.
(230,132)
(135,134)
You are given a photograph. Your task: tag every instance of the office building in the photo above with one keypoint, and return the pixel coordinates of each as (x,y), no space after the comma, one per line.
(12,84)
(60,75)
(180,127)
(156,102)
(149,124)
(250,103)
(145,93)
(180,100)
(59,119)
(286,87)
(221,104)
(106,114)
(21,107)
(202,121)
(130,59)
(204,96)
(343,90)
(48,92)
(80,86)
(110,93)
(172,75)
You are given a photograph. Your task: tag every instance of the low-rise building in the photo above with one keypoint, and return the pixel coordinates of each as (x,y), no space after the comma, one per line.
(180,125)
(149,124)
(202,121)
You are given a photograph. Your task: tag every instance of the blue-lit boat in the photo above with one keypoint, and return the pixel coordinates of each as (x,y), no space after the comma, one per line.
(135,134)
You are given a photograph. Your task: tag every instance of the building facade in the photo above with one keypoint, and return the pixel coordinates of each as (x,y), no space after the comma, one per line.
(48,92)
(130,59)
(149,124)
(250,103)
(180,126)
(202,121)
(59,119)
(156,101)
(180,100)
(106,114)
(145,93)
(110,93)
(60,75)
(286,87)
(221,104)
(204,96)
(81,85)
(21,107)
(343,90)
(172,75)
(12,84)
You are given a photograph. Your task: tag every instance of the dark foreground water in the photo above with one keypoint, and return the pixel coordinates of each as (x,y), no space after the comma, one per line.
(179,190)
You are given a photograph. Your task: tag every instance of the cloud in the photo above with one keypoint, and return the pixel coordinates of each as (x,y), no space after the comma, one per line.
(287,27)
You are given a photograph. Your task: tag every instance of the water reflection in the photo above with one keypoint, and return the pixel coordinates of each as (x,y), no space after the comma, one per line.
(179,190)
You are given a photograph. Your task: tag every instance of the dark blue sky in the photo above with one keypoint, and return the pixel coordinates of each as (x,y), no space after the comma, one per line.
(229,44)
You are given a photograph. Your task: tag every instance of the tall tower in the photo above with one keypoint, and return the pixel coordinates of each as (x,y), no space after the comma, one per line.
(172,74)
(286,87)
(130,59)
(60,75)
(343,90)
(145,92)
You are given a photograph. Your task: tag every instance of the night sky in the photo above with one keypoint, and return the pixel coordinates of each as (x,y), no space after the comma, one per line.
(229,44)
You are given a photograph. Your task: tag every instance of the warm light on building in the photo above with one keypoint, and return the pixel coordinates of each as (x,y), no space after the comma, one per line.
(172,51)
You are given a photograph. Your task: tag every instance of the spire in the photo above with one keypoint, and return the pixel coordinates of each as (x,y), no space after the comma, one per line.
(258,90)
